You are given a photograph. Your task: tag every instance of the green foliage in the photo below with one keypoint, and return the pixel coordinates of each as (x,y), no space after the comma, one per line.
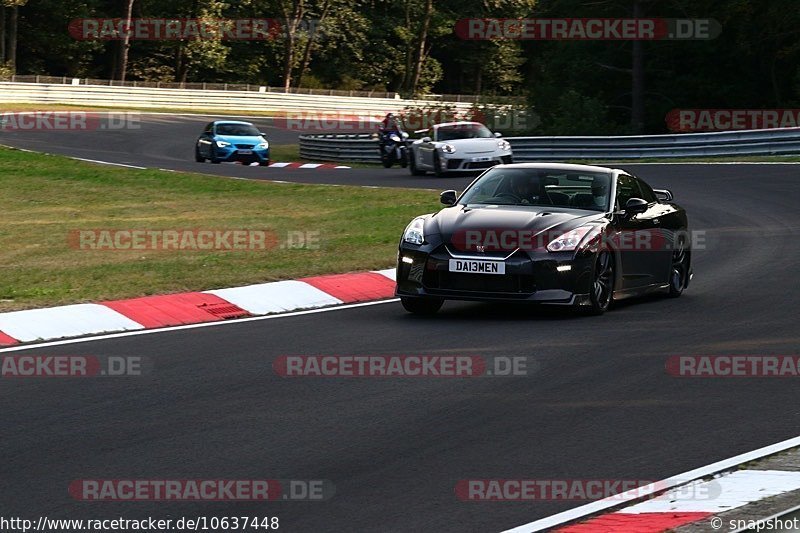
(6,71)
(575,114)
(576,86)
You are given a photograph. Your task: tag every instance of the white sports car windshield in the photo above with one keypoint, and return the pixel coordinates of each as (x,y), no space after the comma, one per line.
(462,131)
(541,187)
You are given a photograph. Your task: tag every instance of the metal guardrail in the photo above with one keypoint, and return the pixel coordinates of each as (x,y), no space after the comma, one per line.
(361,148)
(255,87)
(729,143)
(166,98)
(748,142)
(67,80)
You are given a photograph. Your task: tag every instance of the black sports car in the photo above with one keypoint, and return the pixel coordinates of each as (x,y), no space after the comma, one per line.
(546,233)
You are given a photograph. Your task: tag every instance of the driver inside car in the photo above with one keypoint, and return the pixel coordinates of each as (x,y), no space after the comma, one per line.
(600,192)
(524,190)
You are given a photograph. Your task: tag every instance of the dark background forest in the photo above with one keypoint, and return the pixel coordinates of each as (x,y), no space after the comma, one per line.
(409,47)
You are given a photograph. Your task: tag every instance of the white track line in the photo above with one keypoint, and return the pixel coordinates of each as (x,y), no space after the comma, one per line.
(107,163)
(704,471)
(191,326)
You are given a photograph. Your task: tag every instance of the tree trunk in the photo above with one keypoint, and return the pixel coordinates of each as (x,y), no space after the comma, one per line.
(2,35)
(288,59)
(423,38)
(637,85)
(405,83)
(11,57)
(310,45)
(126,43)
(292,22)
(181,64)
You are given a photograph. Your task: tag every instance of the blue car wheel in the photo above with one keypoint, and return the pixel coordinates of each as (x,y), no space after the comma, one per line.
(213,154)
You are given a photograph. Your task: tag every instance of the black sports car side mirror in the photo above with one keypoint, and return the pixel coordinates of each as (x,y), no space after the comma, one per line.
(448,197)
(663,195)
(634,206)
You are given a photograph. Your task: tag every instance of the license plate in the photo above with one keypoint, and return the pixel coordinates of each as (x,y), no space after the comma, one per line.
(472,266)
(245,152)
(481,159)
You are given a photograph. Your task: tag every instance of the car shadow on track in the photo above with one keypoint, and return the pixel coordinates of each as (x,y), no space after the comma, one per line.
(457,310)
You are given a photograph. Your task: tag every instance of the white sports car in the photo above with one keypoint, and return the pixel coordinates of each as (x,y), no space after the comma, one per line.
(457,147)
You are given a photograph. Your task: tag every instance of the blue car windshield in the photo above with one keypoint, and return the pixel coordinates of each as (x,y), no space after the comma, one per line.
(238,130)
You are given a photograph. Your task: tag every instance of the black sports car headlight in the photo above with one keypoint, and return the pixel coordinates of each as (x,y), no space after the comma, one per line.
(414,232)
(574,239)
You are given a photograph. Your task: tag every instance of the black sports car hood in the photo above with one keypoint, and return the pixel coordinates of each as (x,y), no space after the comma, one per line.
(465,227)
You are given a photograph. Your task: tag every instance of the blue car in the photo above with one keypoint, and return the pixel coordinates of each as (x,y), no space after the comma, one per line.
(228,141)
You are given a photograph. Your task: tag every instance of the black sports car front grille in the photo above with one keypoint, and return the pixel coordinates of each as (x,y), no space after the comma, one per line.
(245,146)
(453,164)
(457,281)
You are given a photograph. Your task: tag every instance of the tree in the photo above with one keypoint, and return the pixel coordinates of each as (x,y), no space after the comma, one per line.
(422,41)
(125,44)
(292,12)
(8,31)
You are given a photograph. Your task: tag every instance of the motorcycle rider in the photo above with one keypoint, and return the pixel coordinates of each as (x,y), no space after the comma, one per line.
(390,124)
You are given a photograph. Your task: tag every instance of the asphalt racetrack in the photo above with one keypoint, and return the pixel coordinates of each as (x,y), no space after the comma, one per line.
(598,405)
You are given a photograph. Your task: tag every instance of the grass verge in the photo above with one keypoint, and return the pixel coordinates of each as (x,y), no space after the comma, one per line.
(46,197)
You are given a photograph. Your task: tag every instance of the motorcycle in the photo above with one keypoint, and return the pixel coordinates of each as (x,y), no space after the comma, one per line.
(394,149)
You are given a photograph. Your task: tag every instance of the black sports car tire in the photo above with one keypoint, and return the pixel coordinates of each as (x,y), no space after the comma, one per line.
(679,269)
(602,290)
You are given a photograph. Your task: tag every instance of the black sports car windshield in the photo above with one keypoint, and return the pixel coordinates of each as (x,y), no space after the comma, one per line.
(237,130)
(541,187)
(462,131)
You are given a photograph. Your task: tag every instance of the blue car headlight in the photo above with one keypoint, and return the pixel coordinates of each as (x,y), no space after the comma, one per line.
(262,146)
(223,144)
